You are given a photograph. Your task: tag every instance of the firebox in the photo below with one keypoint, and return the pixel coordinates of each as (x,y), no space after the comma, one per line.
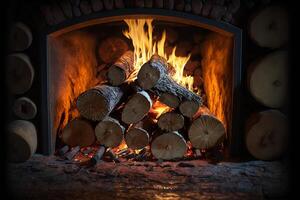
(201,57)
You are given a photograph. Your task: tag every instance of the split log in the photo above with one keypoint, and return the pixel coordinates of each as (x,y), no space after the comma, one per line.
(169,146)
(270,27)
(24,108)
(154,75)
(171,121)
(22,140)
(120,71)
(109,132)
(138,135)
(97,103)
(112,48)
(169,100)
(62,151)
(268,81)
(206,131)
(19,73)
(98,155)
(78,132)
(137,107)
(267,135)
(70,155)
(20,37)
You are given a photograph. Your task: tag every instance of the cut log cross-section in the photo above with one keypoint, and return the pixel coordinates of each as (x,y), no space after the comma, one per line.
(121,69)
(154,75)
(267,135)
(137,107)
(97,103)
(171,121)
(109,132)
(24,108)
(22,140)
(270,27)
(169,146)
(169,99)
(268,79)
(78,132)
(206,130)
(19,73)
(20,37)
(138,135)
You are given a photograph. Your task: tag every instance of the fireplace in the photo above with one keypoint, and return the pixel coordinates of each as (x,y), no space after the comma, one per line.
(175,98)
(72,65)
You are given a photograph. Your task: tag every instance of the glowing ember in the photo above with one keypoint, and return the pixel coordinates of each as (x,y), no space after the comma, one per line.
(140,31)
(189,151)
(158,108)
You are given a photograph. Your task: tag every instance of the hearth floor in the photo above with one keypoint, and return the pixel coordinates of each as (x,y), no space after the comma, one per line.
(49,177)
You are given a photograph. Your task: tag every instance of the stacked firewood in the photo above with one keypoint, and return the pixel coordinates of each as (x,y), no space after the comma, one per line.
(121,110)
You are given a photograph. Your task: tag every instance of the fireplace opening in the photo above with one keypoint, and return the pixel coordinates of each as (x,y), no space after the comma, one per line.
(141,121)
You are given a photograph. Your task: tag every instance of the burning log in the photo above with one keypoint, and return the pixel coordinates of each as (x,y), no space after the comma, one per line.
(269,27)
(206,130)
(138,135)
(20,37)
(98,155)
(267,79)
(169,100)
(112,48)
(22,140)
(78,132)
(97,103)
(121,69)
(19,73)
(267,135)
(70,155)
(154,75)
(63,150)
(171,121)
(24,108)
(169,146)
(137,107)
(109,132)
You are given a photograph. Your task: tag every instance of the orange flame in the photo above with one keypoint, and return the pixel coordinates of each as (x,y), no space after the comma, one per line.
(140,31)
(158,109)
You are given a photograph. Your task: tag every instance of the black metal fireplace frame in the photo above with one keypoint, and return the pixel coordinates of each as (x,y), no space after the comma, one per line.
(235,136)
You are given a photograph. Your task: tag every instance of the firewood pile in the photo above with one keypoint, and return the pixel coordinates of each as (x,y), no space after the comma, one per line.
(146,117)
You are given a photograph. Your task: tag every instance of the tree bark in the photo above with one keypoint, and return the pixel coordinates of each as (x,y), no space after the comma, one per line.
(24,108)
(19,73)
(168,146)
(97,103)
(206,130)
(22,140)
(98,155)
(154,75)
(267,135)
(171,121)
(137,107)
(78,132)
(120,71)
(109,132)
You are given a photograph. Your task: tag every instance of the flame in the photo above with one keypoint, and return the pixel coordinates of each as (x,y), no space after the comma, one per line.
(189,152)
(217,75)
(158,109)
(140,31)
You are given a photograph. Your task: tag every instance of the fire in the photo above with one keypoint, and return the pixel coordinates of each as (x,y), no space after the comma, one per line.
(140,31)
(159,108)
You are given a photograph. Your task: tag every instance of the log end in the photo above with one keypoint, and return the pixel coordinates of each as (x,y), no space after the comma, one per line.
(171,121)
(206,132)
(116,76)
(169,100)
(148,76)
(92,105)
(189,108)
(109,132)
(169,146)
(24,108)
(137,138)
